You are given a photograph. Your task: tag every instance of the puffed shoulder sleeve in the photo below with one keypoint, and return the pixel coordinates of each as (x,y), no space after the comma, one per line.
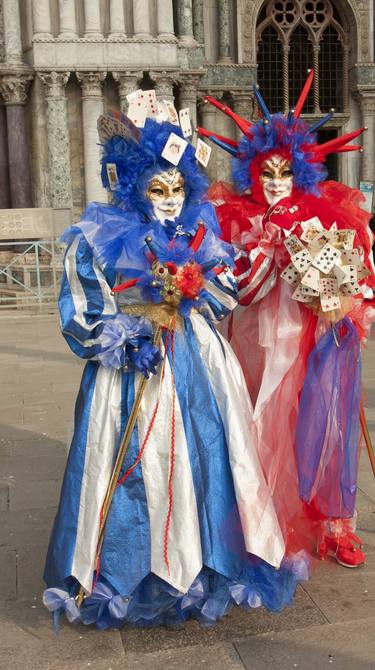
(90,319)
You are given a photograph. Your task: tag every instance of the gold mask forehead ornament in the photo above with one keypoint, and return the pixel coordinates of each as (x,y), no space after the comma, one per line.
(276,167)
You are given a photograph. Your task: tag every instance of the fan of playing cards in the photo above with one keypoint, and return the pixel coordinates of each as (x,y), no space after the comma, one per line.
(144,104)
(325,269)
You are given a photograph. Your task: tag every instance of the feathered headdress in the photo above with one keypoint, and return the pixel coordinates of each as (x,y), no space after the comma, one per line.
(136,154)
(287,134)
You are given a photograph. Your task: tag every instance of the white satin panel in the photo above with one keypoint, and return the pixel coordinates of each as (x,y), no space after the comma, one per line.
(260,526)
(102,436)
(184,547)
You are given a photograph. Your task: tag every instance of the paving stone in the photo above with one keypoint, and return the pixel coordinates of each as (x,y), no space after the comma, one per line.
(30,568)
(29,642)
(8,574)
(235,625)
(30,495)
(24,528)
(215,657)
(4,496)
(344,646)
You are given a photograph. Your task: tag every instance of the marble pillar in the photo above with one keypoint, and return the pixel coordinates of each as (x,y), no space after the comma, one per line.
(92,108)
(185,20)
(12,31)
(58,139)
(209,121)
(41,18)
(366,100)
(141,18)
(92,19)
(164,18)
(198,21)
(224,32)
(13,88)
(188,96)
(117,23)
(163,85)
(4,164)
(127,83)
(243,105)
(67,14)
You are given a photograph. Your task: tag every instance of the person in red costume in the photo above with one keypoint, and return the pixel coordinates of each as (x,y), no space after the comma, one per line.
(303,268)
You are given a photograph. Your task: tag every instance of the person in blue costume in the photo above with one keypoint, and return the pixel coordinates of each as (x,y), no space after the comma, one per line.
(191,529)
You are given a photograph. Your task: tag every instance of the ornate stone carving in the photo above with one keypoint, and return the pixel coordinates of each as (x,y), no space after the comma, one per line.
(164,81)
(54,83)
(14,88)
(198,23)
(127,83)
(91,83)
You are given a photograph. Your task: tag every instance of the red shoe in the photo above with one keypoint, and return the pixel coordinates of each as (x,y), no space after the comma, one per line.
(342,548)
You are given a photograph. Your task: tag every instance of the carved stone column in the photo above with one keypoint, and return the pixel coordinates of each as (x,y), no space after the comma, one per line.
(208,115)
(188,96)
(92,19)
(198,21)
(243,105)
(42,18)
(92,108)
(185,20)
(141,18)
(165,26)
(117,19)
(67,14)
(127,83)
(366,98)
(58,139)
(163,84)
(12,31)
(224,32)
(4,163)
(13,88)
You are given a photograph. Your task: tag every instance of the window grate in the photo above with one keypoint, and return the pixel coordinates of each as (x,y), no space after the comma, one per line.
(270,59)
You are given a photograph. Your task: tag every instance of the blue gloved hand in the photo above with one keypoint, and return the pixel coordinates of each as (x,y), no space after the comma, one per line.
(146,358)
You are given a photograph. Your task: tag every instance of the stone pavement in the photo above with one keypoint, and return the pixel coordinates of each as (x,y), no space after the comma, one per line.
(331,624)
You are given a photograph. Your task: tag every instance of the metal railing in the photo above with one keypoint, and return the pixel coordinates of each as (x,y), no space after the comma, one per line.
(29,273)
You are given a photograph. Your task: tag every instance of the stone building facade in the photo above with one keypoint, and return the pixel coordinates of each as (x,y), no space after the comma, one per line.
(62,62)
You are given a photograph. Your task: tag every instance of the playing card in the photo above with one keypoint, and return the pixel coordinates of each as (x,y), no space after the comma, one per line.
(149,99)
(302,260)
(162,114)
(291,275)
(311,279)
(307,290)
(340,273)
(203,152)
(351,257)
(351,288)
(185,122)
(328,287)
(331,303)
(314,221)
(301,296)
(112,175)
(311,232)
(333,227)
(133,97)
(174,149)
(172,113)
(326,258)
(362,272)
(137,112)
(343,238)
(293,244)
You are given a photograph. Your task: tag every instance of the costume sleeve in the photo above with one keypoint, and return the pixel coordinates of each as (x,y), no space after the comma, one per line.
(90,319)
(256,275)
(219,296)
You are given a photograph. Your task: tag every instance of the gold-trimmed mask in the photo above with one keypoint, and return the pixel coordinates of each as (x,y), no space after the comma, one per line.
(277,178)
(167,194)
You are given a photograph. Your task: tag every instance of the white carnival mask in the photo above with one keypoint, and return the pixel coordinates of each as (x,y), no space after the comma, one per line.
(166,193)
(277,179)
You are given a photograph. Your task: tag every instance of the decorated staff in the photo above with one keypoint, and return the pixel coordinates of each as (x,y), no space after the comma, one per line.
(303,270)
(164,511)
